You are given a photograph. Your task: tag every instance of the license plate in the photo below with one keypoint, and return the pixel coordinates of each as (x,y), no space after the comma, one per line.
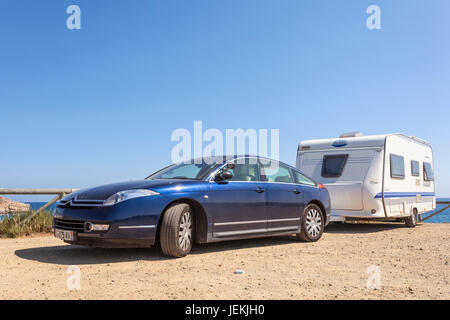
(65,235)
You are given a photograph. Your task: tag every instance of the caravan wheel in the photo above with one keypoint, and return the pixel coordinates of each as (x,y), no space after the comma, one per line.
(411,221)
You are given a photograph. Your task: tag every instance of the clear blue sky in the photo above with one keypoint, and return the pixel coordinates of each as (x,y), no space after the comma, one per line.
(85,107)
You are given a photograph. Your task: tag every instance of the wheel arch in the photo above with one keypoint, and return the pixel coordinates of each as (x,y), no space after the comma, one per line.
(201,221)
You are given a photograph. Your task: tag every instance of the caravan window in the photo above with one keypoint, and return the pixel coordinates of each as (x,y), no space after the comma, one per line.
(397,166)
(333,165)
(427,172)
(415,168)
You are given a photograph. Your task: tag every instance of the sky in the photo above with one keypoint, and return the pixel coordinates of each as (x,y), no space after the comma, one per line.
(81,108)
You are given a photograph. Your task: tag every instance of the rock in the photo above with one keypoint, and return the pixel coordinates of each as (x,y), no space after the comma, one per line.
(8,206)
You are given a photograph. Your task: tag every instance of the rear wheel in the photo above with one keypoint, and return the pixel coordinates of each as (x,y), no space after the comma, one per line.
(312,224)
(411,221)
(177,230)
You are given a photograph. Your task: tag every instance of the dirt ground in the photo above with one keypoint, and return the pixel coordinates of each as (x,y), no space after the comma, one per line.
(412,264)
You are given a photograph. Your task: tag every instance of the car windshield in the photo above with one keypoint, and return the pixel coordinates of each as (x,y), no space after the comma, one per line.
(184,171)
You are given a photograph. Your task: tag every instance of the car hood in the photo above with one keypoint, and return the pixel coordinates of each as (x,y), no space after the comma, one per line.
(105,191)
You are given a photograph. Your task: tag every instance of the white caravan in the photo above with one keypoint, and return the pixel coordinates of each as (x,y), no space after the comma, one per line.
(383,177)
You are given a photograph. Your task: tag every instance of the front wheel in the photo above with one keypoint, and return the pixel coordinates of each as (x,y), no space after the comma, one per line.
(312,224)
(177,230)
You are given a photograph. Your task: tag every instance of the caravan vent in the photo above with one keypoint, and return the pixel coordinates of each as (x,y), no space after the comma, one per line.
(351,134)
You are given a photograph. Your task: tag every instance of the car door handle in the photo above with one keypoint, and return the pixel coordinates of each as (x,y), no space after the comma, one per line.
(297,191)
(259,190)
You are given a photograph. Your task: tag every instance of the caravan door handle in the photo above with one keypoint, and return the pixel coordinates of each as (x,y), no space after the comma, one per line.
(297,191)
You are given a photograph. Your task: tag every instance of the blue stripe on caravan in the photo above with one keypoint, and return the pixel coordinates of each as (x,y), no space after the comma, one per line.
(404,194)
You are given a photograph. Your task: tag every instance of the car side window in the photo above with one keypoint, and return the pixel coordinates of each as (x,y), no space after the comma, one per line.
(276,172)
(244,170)
(301,179)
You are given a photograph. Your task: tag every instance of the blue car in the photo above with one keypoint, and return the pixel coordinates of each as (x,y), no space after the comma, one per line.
(205,200)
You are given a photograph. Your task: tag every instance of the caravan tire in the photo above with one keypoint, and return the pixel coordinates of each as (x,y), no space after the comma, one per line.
(411,221)
(312,225)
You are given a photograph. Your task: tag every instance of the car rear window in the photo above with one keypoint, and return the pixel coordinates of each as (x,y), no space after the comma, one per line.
(397,166)
(333,165)
(428,172)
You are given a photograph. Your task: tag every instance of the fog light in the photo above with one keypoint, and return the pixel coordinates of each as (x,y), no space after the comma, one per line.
(100,227)
(373,211)
(89,226)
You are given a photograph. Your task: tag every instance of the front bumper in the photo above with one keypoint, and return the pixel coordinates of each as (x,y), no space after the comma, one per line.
(115,236)
(132,223)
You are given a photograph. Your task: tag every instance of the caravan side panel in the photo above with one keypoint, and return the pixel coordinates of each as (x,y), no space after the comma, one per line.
(405,190)
(352,192)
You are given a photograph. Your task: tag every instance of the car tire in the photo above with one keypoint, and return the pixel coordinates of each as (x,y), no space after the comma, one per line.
(411,221)
(177,230)
(312,224)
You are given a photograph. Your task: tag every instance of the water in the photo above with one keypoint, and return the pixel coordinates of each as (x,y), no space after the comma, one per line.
(443,217)
(37,205)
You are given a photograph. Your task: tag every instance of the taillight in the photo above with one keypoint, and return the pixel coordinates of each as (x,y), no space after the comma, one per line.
(321,186)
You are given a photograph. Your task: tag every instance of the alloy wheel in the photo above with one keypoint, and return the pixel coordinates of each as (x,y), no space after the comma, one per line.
(185,231)
(313,222)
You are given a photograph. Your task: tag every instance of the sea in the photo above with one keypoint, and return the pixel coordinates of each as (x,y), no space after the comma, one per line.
(443,217)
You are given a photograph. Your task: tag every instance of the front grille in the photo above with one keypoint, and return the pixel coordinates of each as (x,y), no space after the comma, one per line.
(72,225)
(80,204)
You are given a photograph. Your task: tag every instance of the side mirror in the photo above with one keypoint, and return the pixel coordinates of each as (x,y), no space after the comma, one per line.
(224,175)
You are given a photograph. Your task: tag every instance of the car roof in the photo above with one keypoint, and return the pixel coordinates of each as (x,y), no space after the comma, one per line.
(227,158)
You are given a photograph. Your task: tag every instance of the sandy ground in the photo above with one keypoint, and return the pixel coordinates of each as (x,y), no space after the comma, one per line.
(413,264)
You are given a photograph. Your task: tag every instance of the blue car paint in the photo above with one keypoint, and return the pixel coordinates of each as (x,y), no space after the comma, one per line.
(225,205)
(138,211)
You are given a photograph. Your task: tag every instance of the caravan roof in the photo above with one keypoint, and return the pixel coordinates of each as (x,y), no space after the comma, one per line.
(351,142)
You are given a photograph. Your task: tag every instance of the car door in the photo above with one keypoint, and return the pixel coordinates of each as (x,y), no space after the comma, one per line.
(284,198)
(239,203)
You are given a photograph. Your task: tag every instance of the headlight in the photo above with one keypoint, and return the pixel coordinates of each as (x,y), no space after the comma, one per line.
(128,194)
